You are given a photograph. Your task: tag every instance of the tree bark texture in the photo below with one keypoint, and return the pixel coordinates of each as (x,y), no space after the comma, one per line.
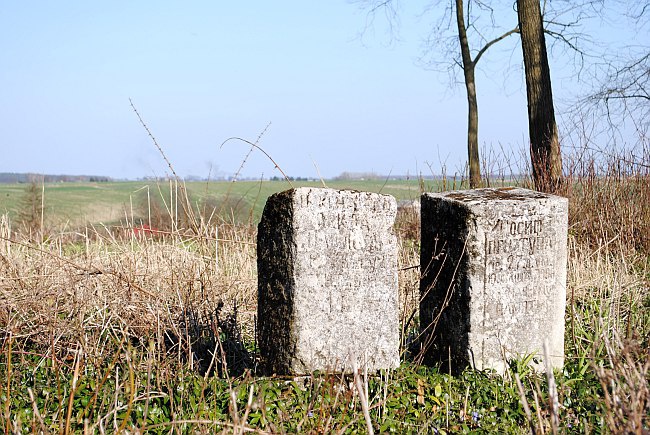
(546,158)
(472,104)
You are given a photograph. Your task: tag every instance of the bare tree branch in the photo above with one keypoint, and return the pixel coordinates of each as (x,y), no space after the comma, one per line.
(494,41)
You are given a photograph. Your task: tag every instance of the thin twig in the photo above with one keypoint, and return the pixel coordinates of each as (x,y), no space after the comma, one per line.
(524,403)
(264,152)
(162,153)
(362,397)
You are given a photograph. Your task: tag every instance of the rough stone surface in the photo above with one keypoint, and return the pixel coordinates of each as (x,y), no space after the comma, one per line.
(327,282)
(494,277)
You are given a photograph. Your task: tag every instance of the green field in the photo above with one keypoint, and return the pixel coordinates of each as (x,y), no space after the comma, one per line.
(81,203)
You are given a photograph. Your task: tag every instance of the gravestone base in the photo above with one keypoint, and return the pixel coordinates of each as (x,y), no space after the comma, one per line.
(493,285)
(327,282)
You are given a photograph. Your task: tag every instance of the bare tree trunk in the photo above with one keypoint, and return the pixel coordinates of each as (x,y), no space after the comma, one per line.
(545,153)
(472,103)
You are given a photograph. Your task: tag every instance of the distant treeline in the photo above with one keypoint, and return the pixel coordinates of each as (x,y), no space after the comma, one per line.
(10,177)
(345,176)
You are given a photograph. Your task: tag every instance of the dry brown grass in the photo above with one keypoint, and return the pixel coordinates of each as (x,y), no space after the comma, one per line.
(609,281)
(610,201)
(59,296)
(407,228)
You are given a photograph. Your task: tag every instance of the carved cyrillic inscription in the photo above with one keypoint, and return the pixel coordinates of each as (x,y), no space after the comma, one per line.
(511,257)
(342,245)
(519,260)
(498,285)
(342,280)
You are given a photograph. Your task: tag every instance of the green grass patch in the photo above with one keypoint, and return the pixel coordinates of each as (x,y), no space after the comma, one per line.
(110,202)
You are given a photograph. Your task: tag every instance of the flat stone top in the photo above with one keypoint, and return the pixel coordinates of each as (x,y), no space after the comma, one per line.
(356,202)
(492,194)
(329,191)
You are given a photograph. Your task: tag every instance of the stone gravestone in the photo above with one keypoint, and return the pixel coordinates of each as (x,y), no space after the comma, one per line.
(327,282)
(493,284)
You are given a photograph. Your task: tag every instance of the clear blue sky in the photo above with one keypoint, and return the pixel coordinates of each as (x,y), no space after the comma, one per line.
(202,71)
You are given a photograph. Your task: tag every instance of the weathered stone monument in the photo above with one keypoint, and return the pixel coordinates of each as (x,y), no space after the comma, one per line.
(327,282)
(493,282)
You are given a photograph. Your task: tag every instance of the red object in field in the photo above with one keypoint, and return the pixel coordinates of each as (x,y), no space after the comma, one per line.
(145,230)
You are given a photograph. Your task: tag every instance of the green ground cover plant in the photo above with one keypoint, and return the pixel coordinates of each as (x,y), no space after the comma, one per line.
(113,329)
